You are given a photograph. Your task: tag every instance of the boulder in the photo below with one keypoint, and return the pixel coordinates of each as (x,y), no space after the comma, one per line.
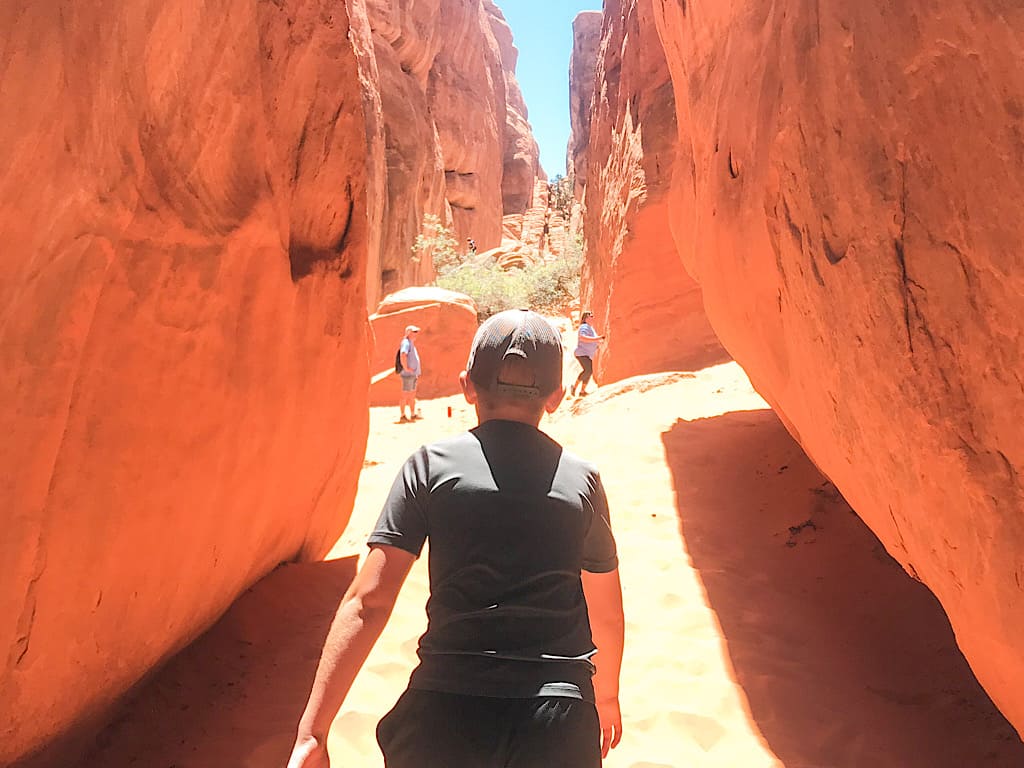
(847,190)
(183,334)
(447,321)
(646,305)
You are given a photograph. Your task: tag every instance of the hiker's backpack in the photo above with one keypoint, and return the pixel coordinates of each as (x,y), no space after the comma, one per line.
(398,361)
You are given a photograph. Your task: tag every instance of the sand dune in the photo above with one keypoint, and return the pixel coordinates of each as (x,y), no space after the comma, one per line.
(765,624)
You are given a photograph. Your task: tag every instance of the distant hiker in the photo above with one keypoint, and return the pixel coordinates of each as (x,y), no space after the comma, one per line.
(409,359)
(471,243)
(586,348)
(524,583)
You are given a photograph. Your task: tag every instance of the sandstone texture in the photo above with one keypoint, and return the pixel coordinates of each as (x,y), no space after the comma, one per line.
(184,198)
(521,159)
(847,190)
(586,35)
(458,142)
(447,323)
(646,305)
(405,42)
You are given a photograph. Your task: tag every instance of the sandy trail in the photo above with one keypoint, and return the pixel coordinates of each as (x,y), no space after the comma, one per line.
(765,624)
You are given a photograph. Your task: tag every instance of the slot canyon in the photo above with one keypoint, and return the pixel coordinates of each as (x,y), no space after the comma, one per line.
(796,223)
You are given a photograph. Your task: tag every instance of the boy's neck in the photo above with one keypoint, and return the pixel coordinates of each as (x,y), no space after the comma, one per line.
(507,414)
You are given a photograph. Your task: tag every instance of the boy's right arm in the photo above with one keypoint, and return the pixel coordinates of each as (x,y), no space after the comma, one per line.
(361,617)
(603,592)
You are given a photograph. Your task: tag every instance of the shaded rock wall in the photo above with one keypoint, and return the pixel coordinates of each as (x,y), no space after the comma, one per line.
(459,145)
(406,40)
(847,191)
(183,353)
(647,306)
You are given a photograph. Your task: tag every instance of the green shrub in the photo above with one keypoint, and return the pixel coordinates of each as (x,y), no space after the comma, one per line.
(436,241)
(549,287)
(562,189)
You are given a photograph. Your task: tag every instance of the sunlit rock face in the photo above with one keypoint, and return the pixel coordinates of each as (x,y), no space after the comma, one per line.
(466,90)
(586,35)
(847,190)
(521,160)
(646,305)
(459,146)
(184,198)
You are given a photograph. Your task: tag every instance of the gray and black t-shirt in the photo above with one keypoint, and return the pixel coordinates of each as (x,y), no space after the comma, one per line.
(512,519)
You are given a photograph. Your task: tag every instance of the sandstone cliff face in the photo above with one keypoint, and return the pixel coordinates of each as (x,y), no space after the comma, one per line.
(459,145)
(847,193)
(406,41)
(646,305)
(184,198)
(521,161)
(586,35)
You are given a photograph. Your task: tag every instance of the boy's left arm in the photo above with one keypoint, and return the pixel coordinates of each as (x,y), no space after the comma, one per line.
(360,619)
(603,592)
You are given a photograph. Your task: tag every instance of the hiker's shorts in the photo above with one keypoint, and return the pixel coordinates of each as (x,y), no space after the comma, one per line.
(587,364)
(429,729)
(409,381)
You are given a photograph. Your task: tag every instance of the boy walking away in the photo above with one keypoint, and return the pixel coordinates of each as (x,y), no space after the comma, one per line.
(410,359)
(521,551)
(586,348)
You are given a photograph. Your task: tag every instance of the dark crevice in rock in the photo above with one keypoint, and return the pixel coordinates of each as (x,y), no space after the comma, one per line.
(901,258)
(298,150)
(734,167)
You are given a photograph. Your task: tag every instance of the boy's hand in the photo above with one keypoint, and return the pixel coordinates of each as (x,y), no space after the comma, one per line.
(611,724)
(309,753)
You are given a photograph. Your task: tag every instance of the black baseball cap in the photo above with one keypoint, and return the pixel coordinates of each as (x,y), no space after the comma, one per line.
(526,346)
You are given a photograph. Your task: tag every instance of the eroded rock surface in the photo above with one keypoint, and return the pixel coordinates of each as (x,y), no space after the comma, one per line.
(847,192)
(447,321)
(184,198)
(645,303)
(586,35)
(521,161)
(198,213)
(459,144)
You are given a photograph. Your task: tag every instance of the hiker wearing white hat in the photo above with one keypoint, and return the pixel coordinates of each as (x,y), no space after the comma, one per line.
(410,373)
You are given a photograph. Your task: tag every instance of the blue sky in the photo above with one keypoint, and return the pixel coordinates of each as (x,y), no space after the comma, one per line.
(542,30)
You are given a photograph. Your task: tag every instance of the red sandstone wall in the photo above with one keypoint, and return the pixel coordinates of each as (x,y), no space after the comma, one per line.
(847,193)
(647,306)
(406,40)
(458,144)
(183,359)
(586,36)
(521,160)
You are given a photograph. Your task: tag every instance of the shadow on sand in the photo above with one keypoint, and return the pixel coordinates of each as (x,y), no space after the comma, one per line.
(233,697)
(845,660)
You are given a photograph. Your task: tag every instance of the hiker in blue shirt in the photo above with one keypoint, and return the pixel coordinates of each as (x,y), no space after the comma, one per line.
(586,348)
(410,374)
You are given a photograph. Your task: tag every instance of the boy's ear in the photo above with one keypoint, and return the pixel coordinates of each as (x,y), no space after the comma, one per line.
(554,400)
(468,390)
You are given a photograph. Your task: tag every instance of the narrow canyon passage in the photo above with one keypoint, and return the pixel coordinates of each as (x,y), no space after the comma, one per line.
(766,625)
(222,218)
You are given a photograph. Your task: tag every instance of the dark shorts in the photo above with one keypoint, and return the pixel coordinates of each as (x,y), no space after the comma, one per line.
(428,729)
(587,364)
(409,382)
